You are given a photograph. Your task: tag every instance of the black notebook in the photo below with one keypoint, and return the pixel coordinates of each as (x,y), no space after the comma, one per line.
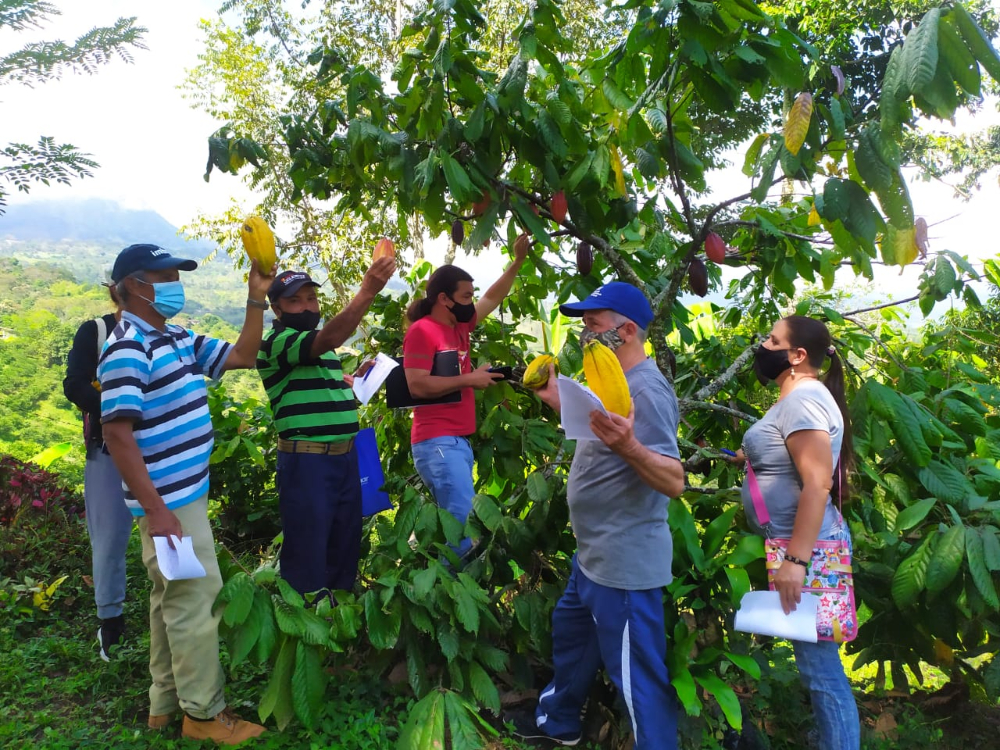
(397,392)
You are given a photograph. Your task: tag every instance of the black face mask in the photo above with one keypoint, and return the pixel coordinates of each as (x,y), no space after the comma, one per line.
(462,313)
(768,364)
(307,320)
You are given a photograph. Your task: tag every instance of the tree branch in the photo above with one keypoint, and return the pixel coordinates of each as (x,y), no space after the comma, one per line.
(884,305)
(715,386)
(687,404)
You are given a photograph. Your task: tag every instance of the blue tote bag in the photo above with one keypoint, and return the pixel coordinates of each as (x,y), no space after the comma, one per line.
(373,498)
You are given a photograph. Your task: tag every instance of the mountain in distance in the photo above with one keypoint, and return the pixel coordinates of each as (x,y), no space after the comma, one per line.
(93,220)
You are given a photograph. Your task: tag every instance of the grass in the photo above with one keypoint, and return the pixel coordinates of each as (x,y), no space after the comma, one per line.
(55,693)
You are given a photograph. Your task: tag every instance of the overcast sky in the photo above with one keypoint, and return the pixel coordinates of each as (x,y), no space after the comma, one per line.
(152,147)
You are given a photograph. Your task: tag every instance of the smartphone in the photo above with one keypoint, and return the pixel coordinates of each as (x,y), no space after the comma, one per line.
(507,372)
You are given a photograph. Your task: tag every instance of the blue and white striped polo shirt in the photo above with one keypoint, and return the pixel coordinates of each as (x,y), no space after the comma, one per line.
(158,378)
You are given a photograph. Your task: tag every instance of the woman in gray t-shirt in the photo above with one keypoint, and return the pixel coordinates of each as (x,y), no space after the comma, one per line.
(794,450)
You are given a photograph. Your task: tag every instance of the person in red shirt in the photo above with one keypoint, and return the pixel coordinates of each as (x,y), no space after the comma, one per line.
(442,322)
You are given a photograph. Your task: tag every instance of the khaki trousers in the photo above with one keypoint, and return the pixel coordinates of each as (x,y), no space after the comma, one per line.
(183,632)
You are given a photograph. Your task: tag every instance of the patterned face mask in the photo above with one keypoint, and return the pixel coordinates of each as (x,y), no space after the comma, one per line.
(610,338)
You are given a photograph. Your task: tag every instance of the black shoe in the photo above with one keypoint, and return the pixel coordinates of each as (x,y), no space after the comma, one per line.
(110,634)
(526,728)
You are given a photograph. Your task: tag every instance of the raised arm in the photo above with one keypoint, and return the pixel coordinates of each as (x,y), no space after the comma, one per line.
(491,300)
(342,326)
(244,353)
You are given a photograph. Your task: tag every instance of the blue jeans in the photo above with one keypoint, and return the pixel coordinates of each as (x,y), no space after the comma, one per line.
(445,465)
(109,525)
(823,675)
(623,630)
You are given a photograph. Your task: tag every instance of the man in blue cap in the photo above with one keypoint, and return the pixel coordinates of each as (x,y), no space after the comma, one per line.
(620,484)
(157,427)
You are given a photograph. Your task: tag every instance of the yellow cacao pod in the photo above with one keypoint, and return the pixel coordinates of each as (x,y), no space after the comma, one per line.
(537,374)
(258,241)
(606,378)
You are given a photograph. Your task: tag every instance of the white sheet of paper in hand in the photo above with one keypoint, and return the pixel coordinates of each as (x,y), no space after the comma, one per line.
(760,612)
(178,563)
(366,387)
(576,402)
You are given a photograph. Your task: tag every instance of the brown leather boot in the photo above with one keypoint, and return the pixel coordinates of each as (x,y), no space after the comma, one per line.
(225,728)
(160,721)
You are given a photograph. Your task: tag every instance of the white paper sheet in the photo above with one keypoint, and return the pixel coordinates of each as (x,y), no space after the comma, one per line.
(760,612)
(366,387)
(576,402)
(178,563)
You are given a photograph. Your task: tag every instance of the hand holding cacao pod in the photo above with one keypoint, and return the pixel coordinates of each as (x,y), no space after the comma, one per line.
(537,374)
(606,378)
(384,248)
(258,242)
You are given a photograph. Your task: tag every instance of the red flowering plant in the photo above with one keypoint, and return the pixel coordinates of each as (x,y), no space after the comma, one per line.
(28,488)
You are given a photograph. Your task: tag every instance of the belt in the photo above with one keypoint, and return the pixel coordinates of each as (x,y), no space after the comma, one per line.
(306,446)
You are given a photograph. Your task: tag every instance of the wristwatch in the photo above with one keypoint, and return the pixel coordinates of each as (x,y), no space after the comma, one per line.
(259,304)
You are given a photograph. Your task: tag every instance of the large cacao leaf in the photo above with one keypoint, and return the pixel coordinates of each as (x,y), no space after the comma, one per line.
(955,54)
(797,123)
(945,482)
(979,44)
(946,560)
(977,567)
(920,52)
(911,574)
(913,515)
(308,684)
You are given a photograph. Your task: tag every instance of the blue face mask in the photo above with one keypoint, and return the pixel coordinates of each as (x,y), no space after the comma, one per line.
(168,297)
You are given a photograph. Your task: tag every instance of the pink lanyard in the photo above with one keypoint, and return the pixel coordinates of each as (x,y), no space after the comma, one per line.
(763,517)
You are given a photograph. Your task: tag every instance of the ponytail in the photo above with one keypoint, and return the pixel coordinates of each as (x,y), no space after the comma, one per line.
(813,336)
(443,281)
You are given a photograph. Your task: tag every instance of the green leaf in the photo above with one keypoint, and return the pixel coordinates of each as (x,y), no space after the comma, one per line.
(483,687)
(991,548)
(914,515)
(979,43)
(725,696)
(687,692)
(920,52)
(461,725)
(876,173)
(276,699)
(836,201)
(715,532)
(268,626)
(911,574)
(739,584)
(943,282)
(238,593)
(746,663)
(945,482)
(448,639)
(308,684)
(750,547)
(753,154)
(424,728)
(682,523)
(616,98)
(485,225)
(487,511)
(461,187)
(946,560)
(243,638)
(466,609)
(978,568)
(991,679)
(538,488)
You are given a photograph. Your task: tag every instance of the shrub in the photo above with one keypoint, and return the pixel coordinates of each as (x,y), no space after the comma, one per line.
(28,488)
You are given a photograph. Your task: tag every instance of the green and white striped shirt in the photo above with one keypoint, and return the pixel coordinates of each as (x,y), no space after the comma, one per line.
(309,397)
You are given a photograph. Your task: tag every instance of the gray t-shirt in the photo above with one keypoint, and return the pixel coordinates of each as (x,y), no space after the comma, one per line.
(620,522)
(810,406)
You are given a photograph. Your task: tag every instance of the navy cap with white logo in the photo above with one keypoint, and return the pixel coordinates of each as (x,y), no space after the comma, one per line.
(288,283)
(144,257)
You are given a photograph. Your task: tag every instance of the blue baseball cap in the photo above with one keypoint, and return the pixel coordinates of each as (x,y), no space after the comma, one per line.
(619,296)
(147,258)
